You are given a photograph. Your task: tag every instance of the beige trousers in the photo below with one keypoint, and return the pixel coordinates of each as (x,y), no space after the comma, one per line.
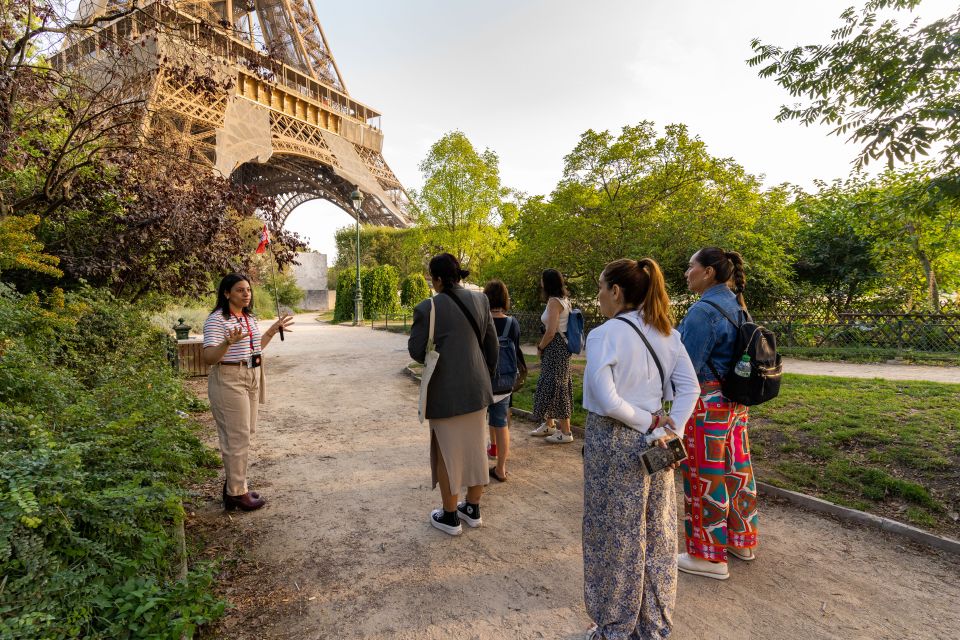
(234,394)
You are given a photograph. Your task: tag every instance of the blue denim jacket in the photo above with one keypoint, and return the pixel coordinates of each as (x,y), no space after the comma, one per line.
(707,335)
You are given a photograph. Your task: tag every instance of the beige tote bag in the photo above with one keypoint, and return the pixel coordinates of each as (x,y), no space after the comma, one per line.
(429,364)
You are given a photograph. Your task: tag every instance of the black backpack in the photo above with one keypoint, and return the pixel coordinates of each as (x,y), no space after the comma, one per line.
(763,381)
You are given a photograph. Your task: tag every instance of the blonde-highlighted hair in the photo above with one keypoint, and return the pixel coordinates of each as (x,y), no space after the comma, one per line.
(643,288)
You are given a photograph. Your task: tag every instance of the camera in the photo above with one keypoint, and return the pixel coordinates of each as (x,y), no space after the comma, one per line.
(254,361)
(655,458)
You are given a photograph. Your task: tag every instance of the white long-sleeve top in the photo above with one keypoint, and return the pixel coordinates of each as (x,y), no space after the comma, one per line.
(621,380)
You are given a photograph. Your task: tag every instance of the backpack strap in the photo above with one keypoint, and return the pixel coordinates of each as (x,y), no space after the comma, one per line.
(726,315)
(735,324)
(507,326)
(473,323)
(653,353)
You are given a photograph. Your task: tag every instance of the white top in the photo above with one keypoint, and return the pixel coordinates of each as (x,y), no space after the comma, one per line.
(217,328)
(564,315)
(621,380)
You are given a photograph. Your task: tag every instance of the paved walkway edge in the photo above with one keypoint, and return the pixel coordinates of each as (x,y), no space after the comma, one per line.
(812,503)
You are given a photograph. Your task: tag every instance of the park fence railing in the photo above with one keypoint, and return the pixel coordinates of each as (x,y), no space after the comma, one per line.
(820,331)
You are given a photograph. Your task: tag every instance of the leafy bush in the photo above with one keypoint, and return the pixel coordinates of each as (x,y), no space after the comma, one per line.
(380,285)
(413,289)
(93,456)
(346,282)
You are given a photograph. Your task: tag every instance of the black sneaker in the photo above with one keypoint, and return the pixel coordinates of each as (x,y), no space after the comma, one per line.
(450,525)
(470,513)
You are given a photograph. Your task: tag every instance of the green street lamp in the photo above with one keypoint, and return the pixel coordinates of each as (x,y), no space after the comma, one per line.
(357,199)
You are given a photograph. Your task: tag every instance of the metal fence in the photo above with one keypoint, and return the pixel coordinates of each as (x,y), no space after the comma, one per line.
(820,329)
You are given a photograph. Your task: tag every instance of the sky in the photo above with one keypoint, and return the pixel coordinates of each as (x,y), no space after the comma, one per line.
(526,77)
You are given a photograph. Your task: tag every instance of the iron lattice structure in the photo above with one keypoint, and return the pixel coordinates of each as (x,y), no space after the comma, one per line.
(251,89)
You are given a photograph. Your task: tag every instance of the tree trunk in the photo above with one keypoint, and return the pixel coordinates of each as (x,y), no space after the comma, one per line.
(933,291)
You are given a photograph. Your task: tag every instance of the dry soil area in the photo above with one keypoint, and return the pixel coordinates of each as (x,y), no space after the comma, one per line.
(343,548)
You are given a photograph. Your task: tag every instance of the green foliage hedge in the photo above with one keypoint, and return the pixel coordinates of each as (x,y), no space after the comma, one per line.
(380,286)
(413,289)
(346,283)
(93,459)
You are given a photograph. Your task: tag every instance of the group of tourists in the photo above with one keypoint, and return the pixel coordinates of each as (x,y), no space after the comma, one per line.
(636,365)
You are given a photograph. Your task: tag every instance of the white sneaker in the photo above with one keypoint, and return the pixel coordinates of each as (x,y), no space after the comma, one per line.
(435,517)
(560,438)
(543,430)
(593,633)
(700,567)
(747,555)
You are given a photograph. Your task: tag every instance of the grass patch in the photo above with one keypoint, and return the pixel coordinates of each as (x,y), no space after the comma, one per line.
(884,446)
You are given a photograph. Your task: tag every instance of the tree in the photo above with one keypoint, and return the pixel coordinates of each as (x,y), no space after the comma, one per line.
(893,89)
(834,251)
(914,215)
(647,194)
(460,207)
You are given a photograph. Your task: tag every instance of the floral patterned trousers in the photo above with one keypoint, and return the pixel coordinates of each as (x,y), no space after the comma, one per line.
(629,536)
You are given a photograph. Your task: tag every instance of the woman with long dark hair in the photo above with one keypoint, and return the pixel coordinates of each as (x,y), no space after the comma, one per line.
(719,490)
(233,346)
(459,391)
(553,399)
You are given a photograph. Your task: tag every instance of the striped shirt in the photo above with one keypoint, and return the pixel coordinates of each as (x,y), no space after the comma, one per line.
(217,328)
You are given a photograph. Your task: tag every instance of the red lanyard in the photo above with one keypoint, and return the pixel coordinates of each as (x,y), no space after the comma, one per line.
(249,331)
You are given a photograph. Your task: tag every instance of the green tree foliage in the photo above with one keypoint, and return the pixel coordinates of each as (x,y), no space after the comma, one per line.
(413,289)
(835,253)
(643,194)
(93,461)
(380,291)
(21,251)
(893,89)
(402,248)
(461,204)
(346,288)
(902,224)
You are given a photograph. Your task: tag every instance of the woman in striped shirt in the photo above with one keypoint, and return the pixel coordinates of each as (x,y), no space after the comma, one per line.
(232,346)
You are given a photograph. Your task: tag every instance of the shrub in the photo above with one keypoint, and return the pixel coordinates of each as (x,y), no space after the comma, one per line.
(93,458)
(343,310)
(413,289)
(380,285)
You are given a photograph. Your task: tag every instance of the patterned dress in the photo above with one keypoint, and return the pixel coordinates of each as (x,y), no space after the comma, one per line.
(554,395)
(719,490)
(629,536)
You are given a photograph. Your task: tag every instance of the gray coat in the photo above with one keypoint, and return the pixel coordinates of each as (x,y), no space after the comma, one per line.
(461,381)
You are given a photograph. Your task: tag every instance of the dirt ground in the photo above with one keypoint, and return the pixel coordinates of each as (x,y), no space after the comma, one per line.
(343,548)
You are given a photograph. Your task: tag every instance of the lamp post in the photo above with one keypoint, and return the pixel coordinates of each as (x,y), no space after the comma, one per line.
(356,197)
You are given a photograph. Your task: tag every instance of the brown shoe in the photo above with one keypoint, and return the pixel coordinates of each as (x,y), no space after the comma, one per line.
(252,493)
(246,502)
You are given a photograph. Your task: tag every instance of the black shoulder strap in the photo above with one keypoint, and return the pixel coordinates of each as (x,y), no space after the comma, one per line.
(473,323)
(653,353)
(725,315)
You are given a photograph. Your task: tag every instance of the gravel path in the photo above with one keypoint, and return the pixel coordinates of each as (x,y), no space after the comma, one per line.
(343,548)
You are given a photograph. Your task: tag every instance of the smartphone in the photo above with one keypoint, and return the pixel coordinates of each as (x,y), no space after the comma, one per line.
(656,458)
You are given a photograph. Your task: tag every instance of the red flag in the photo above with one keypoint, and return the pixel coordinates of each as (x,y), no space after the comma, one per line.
(264,240)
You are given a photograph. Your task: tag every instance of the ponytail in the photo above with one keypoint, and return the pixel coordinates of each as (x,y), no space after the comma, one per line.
(644,289)
(656,302)
(728,267)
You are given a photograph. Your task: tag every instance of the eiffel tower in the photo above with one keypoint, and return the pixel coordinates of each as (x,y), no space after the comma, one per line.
(279,118)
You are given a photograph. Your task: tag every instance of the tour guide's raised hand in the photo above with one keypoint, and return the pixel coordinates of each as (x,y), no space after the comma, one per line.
(284,321)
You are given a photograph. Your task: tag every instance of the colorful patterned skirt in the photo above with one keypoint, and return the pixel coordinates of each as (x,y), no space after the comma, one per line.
(719,491)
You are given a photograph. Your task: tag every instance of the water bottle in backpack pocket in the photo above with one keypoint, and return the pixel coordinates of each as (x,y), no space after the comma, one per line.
(756,369)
